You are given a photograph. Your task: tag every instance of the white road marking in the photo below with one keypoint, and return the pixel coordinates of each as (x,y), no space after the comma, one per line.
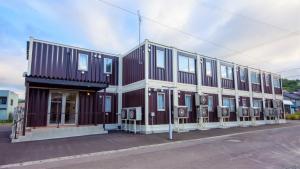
(28,163)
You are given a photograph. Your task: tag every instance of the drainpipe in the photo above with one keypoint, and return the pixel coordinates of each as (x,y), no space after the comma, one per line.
(26,108)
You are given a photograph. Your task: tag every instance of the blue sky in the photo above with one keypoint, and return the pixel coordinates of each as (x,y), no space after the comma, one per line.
(218,28)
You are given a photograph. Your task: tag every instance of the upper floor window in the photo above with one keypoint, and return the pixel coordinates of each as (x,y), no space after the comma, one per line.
(186,64)
(107,65)
(242,74)
(229,102)
(108,104)
(208,68)
(226,72)
(83,62)
(160,58)
(244,102)
(3,100)
(255,78)
(188,102)
(276,82)
(267,79)
(161,102)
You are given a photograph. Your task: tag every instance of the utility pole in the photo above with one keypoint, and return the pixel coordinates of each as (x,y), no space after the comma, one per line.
(140,20)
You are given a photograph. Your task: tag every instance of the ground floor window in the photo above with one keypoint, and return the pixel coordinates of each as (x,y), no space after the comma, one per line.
(188,102)
(161,102)
(108,104)
(229,102)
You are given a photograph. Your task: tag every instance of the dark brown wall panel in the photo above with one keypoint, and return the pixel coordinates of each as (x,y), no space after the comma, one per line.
(161,117)
(134,66)
(59,62)
(156,73)
(135,98)
(256,88)
(185,77)
(243,85)
(37,107)
(278,90)
(181,102)
(227,83)
(209,80)
(244,98)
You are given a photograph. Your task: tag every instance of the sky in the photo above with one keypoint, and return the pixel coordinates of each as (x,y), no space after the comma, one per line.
(262,34)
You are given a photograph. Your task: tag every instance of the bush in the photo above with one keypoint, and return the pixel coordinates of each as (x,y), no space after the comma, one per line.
(295,116)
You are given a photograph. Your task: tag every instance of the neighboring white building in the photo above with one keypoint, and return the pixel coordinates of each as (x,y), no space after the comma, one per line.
(8,102)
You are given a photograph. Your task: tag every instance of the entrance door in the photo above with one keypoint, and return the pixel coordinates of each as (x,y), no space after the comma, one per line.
(62,108)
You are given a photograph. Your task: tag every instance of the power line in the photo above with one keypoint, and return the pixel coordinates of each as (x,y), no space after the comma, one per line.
(291,76)
(288,70)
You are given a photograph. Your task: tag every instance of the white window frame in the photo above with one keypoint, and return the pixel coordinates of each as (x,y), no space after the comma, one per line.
(210,105)
(190,108)
(189,60)
(242,72)
(105,63)
(276,85)
(158,56)
(257,78)
(231,102)
(267,80)
(227,69)
(82,67)
(164,101)
(208,71)
(106,107)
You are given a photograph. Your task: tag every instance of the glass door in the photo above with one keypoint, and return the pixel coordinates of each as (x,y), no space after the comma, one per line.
(70,108)
(56,108)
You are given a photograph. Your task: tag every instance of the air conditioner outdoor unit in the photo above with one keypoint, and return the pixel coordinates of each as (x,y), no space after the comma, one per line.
(255,112)
(202,111)
(223,112)
(181,112)
(135,113)
(201,99)
(243,112)
(124,113)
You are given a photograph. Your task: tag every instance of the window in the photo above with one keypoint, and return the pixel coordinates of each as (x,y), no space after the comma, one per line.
(3,100)
(210,103)
(255,78)
(267,79)
(244,102)
(11,102)
(226,72)
(107,65)
(160,101)
(229,102)
(257,103)
(108,104)
(186,64)
(160,58)
(83,62)
(242,74)
(276,82)
(208,68)
(188,102)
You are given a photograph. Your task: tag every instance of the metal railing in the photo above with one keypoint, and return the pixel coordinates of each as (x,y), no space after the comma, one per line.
(18,122)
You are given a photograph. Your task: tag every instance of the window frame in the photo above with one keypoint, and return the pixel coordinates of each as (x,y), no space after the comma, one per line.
(3,100)
(164,58)
(189,59)
(227,70)
(79,65)
(208,72)
(231,102)
(278,80)
(242,72)
(257,77)
(164,101)
(267,80)
(190,107)
(210,105)
(105,63)
(110,107)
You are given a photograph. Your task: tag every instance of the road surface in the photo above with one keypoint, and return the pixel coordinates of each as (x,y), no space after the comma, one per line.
(270,148)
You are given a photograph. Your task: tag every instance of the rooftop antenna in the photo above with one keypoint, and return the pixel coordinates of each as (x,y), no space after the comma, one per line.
(140,20)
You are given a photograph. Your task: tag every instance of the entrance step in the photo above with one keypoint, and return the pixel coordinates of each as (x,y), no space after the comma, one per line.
(62,132)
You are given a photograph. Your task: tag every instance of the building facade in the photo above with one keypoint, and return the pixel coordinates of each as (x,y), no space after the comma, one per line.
(8,102)
(68,85)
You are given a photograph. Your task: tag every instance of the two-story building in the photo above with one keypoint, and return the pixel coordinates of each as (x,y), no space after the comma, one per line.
(8,102)
(75,87)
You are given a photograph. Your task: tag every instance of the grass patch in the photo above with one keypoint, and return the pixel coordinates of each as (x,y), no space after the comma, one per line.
(295,116)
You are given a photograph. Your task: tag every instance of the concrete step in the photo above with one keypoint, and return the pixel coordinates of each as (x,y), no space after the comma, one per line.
(62,132)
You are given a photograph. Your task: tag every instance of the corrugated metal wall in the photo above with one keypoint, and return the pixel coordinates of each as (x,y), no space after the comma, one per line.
(209,80)
(181,101)
(227,84)
(161,117)
(256,88)
(59,62)
(243,85)
(37,107)
(134,66)
(135,98)
(156,73)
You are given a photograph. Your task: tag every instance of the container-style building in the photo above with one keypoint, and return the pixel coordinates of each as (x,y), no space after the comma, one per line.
(76,87)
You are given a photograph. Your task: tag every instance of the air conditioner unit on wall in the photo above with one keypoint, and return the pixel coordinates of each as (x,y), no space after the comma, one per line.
(202,111)
(135,113)
(243,112)
(124,113)
(181,112)
(255,112)
(201,99)
(223,112)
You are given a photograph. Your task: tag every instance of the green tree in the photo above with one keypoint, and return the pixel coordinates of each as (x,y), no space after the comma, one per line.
(291,85)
